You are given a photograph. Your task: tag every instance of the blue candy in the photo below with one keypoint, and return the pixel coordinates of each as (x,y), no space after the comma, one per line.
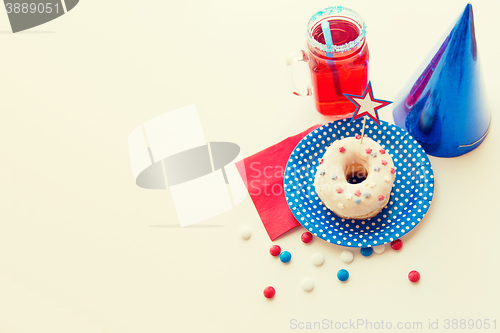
(366,251)
(285,256)
(343,275)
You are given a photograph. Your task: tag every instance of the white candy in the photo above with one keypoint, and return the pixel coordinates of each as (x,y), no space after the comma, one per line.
(347,256)
(317,259)
(379,249)
(307,284)
(245,232)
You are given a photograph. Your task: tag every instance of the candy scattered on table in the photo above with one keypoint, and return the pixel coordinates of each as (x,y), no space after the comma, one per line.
(343,275)
(307,284)
(275,250)
(366,251)
(397,244)
(317,259)
(306,237)
(347,256)
(414,276)
(269,292)
(285,256)
(245,232)
(379,249)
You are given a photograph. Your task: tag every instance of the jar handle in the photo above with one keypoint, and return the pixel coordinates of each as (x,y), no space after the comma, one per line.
(293,59)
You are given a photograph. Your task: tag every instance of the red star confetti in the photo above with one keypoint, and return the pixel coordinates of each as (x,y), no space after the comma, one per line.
(342,149)
(366,104)
(368,150)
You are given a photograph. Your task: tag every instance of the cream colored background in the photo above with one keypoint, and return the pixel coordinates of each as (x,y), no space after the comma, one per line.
(82,249)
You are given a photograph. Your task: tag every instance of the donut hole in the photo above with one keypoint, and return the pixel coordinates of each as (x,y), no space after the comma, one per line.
(355,173)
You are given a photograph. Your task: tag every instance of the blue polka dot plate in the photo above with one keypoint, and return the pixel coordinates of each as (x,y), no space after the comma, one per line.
(410,198)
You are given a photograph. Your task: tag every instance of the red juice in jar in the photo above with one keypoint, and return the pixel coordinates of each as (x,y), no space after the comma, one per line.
(341,68)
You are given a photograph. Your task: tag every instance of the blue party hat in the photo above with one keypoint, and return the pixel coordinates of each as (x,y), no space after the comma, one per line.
(445,108)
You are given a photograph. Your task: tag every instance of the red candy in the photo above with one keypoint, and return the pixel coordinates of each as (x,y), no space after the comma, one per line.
(340,190)
(342,149)
(382,151)
(381,198)
(393,170)
(397,244)
(275,250)
(321,161)
(384,162)
(358,136)
(306,237)
(368,150)
(414,276)
(357,193)
(269,292)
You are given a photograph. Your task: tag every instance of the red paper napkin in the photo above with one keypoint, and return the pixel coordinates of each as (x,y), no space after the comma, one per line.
(263,175)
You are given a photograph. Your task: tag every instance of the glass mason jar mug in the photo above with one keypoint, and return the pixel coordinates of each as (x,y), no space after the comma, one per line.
(337,54)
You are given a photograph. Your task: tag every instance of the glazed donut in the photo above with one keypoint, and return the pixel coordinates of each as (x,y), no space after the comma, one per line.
(347,158)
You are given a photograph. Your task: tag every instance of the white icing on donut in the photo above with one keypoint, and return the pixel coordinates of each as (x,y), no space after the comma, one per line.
(355,200)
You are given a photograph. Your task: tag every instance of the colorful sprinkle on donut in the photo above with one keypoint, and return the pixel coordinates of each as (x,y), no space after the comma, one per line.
(372,184)
(387,179)
(393,170)
(384,162)
(374,154)
(348,196)
(322,172)
(377,168)
(342,149)
(357,193)
(341,205)
(339,190)
(382,151)
(334,177)
(367,195)
(358,137)
(320,161)
(368,150)
(357,201)
(381,198)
